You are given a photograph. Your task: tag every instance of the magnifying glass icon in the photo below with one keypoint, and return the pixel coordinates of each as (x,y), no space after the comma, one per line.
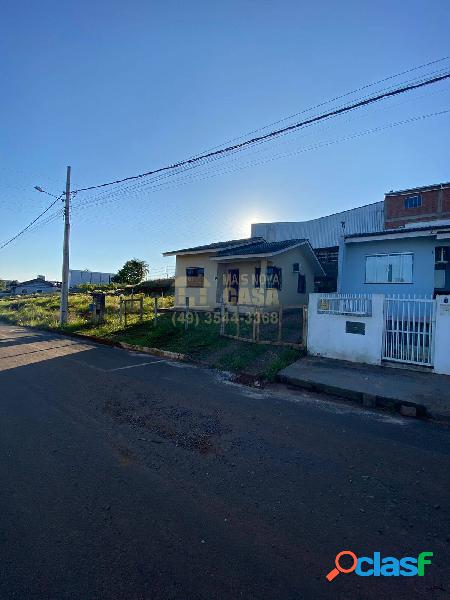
(339,569)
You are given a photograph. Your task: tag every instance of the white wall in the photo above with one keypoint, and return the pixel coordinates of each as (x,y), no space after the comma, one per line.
(77,277)
(442,336)
(288,294)
(327,333)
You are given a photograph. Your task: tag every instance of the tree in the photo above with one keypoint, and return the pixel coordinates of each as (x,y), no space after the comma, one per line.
(133,272)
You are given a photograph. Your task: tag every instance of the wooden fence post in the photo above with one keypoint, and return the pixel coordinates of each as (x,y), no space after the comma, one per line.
(125,310)
(222,318)
(155,320)
(280,321)
(120,309)
(141,309)
(186,314)
(237,320)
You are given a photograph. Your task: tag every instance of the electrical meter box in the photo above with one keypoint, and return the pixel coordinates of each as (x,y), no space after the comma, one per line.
(98,307)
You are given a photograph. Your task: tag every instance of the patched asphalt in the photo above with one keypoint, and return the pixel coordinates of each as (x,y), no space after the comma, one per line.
(129,476)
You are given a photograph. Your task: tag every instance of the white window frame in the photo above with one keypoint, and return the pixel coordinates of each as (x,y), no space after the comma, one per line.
(386,279)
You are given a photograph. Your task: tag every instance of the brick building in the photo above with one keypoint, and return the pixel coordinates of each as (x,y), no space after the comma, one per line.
(422,204)
(400,210)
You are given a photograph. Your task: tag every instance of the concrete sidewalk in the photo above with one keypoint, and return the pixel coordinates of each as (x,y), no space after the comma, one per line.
(412,393)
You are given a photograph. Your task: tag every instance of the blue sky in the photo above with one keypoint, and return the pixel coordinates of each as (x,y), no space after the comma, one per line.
(116,88)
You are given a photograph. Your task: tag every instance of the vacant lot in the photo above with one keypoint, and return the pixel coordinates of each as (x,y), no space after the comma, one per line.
(200,342)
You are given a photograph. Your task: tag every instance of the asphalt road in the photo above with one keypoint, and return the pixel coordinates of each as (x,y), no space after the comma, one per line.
(127,476)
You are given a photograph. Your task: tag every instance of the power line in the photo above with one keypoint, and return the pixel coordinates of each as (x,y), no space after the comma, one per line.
(32,222)
(140,185)
(188,179)
(340,97)
(209,173)
(152,185)
(277,132)
(210,157)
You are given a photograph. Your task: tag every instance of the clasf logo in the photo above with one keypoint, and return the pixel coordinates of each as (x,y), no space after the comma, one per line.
(389,566)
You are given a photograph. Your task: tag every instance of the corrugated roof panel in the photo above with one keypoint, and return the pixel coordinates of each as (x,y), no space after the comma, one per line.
(260,248)
(325,231)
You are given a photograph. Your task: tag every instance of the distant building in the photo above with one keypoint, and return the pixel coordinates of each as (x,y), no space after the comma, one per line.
(39,285)
(77,277)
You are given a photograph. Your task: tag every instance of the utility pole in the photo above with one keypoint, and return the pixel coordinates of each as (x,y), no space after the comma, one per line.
(65,267)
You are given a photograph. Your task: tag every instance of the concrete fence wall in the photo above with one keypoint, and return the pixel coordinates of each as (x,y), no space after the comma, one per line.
(351,337)
(351,327)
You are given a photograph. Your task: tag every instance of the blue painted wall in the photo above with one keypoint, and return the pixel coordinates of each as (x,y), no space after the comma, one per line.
(353,265)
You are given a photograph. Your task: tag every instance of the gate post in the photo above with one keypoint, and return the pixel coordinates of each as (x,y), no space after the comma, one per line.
(442,336)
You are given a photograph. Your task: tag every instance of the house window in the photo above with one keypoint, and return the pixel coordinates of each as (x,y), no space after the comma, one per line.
(257,281)
(195,277)
(413,201)
(301,284)
(273,280)
(389,268)
(296,267)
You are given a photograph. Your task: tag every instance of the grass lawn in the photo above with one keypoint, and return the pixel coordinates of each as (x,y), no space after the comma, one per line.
(201,341)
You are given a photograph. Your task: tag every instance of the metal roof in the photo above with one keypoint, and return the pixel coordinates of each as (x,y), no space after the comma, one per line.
(425,188)
(260,247)
(215,246)
(325,232)
(42,282)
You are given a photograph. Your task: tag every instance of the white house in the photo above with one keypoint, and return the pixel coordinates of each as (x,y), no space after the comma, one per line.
(248,272)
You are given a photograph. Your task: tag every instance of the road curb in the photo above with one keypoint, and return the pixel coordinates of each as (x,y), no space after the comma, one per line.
(405,408)
(153,351)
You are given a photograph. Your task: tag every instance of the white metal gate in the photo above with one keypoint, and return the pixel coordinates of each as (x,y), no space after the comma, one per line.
(409,325)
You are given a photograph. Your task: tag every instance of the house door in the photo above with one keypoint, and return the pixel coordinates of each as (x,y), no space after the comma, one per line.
(233,286)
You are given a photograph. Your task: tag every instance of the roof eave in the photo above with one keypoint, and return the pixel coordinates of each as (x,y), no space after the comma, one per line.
(186,252)
(385,235)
